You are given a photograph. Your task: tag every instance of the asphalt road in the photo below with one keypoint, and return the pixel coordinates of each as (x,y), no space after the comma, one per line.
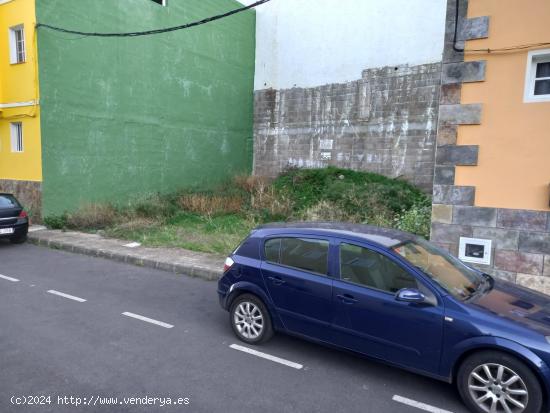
(53,344)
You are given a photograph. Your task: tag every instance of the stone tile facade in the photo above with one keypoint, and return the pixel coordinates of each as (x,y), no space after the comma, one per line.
(516,247)
(29,194)
(384,122)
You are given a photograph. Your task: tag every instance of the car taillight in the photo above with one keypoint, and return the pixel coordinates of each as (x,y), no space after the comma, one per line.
(23,214)
(228,264)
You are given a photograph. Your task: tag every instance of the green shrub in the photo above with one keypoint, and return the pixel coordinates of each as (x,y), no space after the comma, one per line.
(153,206)
(56,221)
(351,195)
(417,219)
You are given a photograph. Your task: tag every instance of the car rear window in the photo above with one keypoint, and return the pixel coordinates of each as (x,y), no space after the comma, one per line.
(8,201)
(307,254)
(249,248)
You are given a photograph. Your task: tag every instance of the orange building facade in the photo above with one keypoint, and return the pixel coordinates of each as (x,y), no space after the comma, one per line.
(492,174)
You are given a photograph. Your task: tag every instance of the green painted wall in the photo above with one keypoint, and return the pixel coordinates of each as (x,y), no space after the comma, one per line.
(127,116)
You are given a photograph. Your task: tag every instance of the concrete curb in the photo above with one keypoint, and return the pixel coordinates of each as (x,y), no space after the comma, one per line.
(178,261)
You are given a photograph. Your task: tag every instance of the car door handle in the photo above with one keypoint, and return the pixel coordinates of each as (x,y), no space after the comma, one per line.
(276,280)
(346,298)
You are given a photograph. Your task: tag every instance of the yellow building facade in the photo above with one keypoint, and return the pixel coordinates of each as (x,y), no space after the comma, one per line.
(20,142)
(491,198)
(513,169)
(20,146)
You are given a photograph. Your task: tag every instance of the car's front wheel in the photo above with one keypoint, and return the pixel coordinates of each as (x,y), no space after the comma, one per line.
(492,381)
(250,319)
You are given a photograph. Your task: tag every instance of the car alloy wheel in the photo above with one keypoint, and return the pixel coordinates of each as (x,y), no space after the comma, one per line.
(497,388)
(249,320)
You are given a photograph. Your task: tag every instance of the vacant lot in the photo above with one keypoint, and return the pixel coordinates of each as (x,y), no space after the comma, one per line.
(215,221)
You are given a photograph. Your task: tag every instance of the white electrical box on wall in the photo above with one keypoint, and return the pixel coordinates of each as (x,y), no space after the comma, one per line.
(475,250)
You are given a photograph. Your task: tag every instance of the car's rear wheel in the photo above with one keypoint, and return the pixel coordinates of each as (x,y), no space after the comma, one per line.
(492,381)
(250,319)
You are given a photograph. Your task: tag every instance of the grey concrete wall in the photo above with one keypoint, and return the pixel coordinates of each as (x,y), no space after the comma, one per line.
(385,122)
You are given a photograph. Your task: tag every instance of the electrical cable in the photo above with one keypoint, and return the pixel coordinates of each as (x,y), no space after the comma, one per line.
(510,48)
(488,50)
(155,31)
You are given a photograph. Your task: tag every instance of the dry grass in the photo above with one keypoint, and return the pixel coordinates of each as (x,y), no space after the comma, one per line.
(209,204)
(263,196)
(137,223)
(93,216)
(251,183)
(267,199)
(328,211)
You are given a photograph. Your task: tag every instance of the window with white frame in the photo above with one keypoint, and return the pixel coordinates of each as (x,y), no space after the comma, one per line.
(161,2)
(16,136)
(537,79)
(17,44)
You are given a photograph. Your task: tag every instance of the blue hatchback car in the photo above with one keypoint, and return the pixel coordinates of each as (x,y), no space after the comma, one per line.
(395,297)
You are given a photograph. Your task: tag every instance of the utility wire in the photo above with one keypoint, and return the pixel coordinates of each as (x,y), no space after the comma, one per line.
(509,49)
(497,50)
(156,31)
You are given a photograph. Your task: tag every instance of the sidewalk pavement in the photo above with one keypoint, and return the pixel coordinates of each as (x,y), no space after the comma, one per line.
(179,261)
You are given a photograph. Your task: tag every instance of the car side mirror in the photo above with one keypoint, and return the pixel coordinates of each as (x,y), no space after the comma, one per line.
(410,295)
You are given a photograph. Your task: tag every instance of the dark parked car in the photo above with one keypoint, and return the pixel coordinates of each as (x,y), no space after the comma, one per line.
(14,221)
(397,298)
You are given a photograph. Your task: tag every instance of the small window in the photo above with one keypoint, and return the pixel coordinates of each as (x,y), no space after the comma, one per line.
(362,266)
(537,81)
(272,250)
(303,253)
(16,137)
(17,44)
(161,2)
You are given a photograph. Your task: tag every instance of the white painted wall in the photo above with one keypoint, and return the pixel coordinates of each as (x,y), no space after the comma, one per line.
(308,43)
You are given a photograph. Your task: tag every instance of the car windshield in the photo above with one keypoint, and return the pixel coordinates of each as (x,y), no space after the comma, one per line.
(8,202)
(450,273)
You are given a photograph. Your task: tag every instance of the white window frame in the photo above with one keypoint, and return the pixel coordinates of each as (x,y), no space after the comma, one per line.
(17,55)
(533,58)
(16,132)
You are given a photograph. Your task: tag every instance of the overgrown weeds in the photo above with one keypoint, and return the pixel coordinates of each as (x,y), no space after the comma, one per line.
(211,204)
(214,221)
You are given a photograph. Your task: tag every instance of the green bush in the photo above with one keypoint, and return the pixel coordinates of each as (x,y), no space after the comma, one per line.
(56,221)
(363,197)
(417,219)
(153,206)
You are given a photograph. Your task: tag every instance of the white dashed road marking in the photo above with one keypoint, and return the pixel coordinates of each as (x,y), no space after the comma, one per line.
(13,280)
(148,320)
(267,356)
(70,297)
(418,405)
